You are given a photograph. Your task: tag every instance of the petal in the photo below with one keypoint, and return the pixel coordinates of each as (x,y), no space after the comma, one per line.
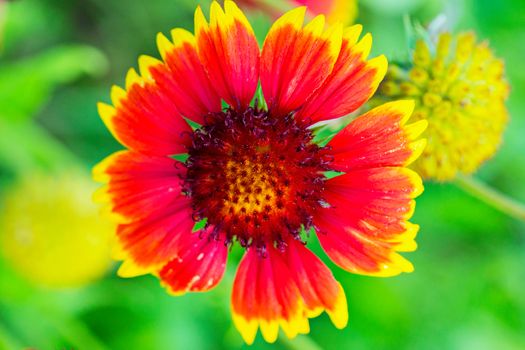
(366,223)
(137,184)
(284,289)
(344,11)
(265,295)
(379,138)
(352,82)
(144,193)
(198,267)
(156,239)
(318,287)
(296,60)
(183,78)
(228,48)
(144,117)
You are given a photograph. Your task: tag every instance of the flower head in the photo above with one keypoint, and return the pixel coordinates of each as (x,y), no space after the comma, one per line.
(52,234)
(254,173)
(459,87)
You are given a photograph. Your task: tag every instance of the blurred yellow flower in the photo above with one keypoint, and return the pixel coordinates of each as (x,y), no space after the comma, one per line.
(52,234)
(460,89)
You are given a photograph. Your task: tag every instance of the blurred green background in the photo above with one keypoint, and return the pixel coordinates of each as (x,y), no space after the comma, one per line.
(59,57)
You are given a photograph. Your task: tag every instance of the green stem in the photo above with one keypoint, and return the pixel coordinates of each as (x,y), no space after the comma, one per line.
(490,196)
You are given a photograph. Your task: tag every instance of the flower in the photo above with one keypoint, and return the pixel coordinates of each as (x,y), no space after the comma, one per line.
(343,11)
(253,173)
(52,234)
(459,87)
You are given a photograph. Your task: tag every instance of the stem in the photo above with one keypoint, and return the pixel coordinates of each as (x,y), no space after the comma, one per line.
(490,196)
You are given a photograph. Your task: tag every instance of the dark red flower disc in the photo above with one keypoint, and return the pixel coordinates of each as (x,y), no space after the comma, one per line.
(254,177)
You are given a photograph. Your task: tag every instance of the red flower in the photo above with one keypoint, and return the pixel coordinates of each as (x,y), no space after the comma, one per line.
(254,173)
(344,11)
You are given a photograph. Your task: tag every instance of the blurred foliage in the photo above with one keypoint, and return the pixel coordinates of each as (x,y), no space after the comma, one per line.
(27,84)
(466,292)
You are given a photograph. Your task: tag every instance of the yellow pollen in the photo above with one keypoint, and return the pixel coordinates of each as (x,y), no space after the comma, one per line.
(255,178)
(460,89)
(253,187)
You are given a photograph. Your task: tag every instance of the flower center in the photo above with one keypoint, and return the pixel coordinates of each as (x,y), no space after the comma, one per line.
(254,177)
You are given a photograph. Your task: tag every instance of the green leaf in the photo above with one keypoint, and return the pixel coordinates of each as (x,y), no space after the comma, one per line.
(27,84)
(324,131)
(181,157)
(24,146)
(414,31)
(199,225)
(258,100)
(194,125)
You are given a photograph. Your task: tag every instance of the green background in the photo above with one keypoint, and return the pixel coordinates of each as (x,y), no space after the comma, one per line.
(60,57)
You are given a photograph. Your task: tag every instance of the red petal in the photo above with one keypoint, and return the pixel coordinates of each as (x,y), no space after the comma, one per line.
(379,138)
(145,118)
(295,61)
(183,78)
(284,289)
(316,283)
(366,222)
(335,10)
(352,82)
(144,192)
(198,267)
(228,48)
(265,295)
(138,184)
(155,239)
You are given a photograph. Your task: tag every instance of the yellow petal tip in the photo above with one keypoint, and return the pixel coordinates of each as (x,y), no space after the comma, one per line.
(339,312)
(145,64)
(164,45)
(129,269)
(247,328)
